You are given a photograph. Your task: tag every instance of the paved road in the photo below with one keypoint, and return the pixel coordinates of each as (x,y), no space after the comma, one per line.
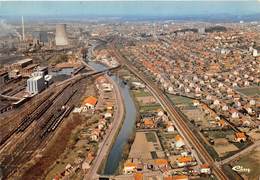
(105,145)
(178,119)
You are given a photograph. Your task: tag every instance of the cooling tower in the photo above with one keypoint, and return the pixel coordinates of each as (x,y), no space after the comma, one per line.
(61,37)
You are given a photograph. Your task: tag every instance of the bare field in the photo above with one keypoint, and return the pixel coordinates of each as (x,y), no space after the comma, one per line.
(251,161)
(225,147)
(144,144)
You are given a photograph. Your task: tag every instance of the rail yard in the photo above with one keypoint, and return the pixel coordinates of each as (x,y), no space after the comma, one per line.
(35,127)
(37,121)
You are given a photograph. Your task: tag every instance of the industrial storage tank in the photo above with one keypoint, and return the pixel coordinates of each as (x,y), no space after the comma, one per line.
(61,38)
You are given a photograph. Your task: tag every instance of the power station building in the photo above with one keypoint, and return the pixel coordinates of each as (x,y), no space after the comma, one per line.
(61,38)
(35,84)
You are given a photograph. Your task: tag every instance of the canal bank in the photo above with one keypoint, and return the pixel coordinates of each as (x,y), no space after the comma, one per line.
(114,158)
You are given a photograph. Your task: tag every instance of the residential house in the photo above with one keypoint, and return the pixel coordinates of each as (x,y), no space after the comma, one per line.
(102,124)
(107,87)
(234,113)
(109,106)
(148,123)
(245,122)
(196,102)
(108,115)
(161,163)
(170,128)
(240,136)
(205,169)
(95,135)
(179,141)
(221,123)
(184,160)
(129,167)
(90,102)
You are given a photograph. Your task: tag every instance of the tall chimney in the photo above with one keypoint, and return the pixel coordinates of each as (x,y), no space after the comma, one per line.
(23,36)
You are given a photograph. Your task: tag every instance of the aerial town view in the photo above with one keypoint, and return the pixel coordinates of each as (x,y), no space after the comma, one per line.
(130,90)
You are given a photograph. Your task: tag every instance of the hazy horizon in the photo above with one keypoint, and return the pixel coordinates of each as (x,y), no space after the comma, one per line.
(184,10)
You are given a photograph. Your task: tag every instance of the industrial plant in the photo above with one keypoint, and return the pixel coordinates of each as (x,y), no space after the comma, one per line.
(61,35)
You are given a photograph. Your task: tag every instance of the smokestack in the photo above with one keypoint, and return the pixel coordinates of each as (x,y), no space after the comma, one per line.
(23,36)
(61,37)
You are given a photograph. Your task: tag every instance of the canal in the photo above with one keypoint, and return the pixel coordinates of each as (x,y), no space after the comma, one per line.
(126,131)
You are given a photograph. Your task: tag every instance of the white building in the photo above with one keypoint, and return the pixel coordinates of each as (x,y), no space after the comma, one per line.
(205,169)
(129,167)
(170,128)
(35,84)
(256,52)
(38,73)
(48,79)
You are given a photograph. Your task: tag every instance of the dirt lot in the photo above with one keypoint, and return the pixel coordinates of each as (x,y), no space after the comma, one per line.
(251,161)
(144,144)
(57,147)
(198,116)
(224,147)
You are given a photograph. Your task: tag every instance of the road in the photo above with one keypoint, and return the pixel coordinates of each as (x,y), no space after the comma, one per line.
(105,145)
(178,119)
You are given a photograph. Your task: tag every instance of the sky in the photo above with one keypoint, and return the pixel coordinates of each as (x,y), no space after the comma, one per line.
(123,9)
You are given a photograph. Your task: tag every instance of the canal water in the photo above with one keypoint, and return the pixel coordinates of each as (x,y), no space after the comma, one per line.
(115,155)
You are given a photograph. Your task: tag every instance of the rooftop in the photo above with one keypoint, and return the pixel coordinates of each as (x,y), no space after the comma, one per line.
(24,61)
(90,100)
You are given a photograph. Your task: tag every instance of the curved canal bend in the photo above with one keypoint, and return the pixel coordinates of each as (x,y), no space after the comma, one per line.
(115,155)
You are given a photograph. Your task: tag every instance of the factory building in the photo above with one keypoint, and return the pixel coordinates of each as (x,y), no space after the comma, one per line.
(23,63)
(61,38)
(44,70)
(43,36)
(3,77)
(38,73)
(48,80)
(40,37)
(35,84)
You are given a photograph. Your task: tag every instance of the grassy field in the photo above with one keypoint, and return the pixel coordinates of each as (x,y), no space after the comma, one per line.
(151,107)
(219,134)
(180,100)
(251,91)
(150,136)
(140,93)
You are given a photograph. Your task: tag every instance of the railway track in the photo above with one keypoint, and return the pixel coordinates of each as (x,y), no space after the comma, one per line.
(39,124)
(179,121)
(27,112)
(33,114)
(25,148)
